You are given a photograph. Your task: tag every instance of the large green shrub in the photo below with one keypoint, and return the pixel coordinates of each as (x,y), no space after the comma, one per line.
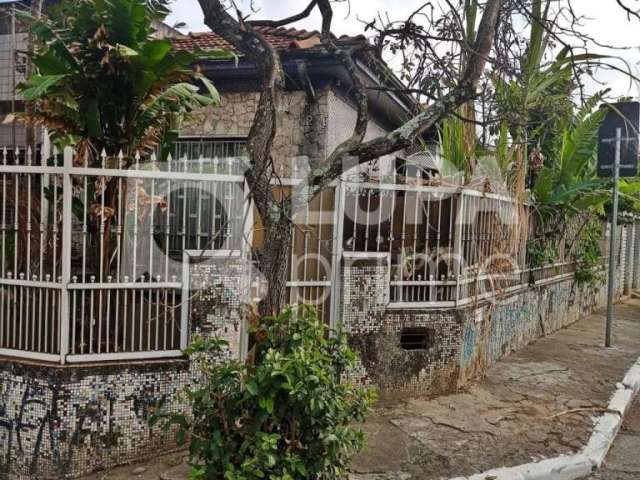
(287,414)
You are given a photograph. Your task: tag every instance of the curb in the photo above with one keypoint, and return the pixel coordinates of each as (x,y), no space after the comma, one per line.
(584,463)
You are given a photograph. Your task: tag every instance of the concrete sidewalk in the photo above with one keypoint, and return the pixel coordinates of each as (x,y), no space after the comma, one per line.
(538,403)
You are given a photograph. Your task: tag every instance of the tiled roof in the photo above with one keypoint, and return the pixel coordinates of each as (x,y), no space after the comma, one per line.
(281,38)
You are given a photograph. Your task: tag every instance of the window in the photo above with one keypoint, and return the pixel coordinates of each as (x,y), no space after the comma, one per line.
(219,155)
(204,215)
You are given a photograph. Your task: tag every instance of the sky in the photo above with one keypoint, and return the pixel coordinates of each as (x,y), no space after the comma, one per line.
(605,21)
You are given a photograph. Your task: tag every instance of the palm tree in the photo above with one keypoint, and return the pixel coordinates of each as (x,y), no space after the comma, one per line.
(568,183)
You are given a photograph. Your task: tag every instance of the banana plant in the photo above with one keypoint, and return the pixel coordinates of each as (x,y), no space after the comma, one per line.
(102,80)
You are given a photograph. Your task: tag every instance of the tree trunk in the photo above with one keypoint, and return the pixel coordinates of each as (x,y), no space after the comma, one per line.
(273,265)
(274,258)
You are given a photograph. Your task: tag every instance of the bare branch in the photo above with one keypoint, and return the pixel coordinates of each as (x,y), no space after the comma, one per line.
(630,12)
(360,94)
(285,21)
(405,135)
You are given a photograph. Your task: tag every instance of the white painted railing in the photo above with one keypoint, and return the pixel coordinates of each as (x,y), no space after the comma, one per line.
(447,246)
(91,255)
(94,256)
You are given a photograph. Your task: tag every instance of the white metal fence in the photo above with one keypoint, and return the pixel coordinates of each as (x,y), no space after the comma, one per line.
(446,244)
(91,260)
(94,256)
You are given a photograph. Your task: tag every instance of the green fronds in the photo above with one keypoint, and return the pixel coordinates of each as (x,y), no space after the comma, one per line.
(453,148)
(103,77)
(569,183)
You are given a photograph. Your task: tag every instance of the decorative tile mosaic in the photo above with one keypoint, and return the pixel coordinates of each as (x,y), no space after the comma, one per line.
(64,422)
(76,422)
(365,294)
(220,289)
(461,343)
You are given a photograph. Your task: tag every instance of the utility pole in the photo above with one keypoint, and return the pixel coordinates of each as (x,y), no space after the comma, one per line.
(612,240)
(623,115)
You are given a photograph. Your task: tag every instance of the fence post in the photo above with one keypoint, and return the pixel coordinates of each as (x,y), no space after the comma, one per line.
(336,257)
(636,256)
(185,302)
(67,199)
(631,245)
(246,246)
(624,245)
(457,249)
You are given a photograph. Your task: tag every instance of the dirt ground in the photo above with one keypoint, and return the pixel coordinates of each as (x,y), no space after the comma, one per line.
(536,403)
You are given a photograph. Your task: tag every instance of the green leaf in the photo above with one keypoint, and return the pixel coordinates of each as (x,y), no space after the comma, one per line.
(38,85)
(252,388)
(156,51)
(126,51)
(50,64)
(269,405)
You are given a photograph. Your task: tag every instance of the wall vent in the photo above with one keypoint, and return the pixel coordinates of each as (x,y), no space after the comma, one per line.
(415,338)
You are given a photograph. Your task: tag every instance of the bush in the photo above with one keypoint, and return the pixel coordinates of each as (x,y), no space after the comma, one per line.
(588,254)
(284,415)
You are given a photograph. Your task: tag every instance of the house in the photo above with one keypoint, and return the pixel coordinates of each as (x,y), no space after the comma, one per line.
(13,66)
(430,281)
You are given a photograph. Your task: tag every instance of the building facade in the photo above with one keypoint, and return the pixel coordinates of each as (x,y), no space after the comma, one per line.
(429,280)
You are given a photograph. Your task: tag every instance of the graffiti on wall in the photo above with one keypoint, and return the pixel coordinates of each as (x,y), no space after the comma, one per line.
(51,430)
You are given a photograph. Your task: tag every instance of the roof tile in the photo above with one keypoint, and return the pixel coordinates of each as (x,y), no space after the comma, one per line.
(280,38)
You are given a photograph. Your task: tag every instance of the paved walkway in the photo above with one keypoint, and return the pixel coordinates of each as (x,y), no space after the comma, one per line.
(537,403)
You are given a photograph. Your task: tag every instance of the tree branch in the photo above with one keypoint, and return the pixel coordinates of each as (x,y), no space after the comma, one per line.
(285,21)
(628,10)
(359,89)
(263,128)
(404,136)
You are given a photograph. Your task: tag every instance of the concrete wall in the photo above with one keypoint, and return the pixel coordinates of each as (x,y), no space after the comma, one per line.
(341,117)
(301,131)
(307,131)
(462,343)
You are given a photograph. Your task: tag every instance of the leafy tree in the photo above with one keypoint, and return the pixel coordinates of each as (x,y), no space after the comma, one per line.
(102,80)
(286,415)
(588,253)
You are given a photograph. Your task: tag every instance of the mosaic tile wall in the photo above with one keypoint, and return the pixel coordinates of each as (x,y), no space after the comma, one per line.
(366,294)
(396,371)
(64,422)
(495,330)
(220,288)
(460,343)
(374,331)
